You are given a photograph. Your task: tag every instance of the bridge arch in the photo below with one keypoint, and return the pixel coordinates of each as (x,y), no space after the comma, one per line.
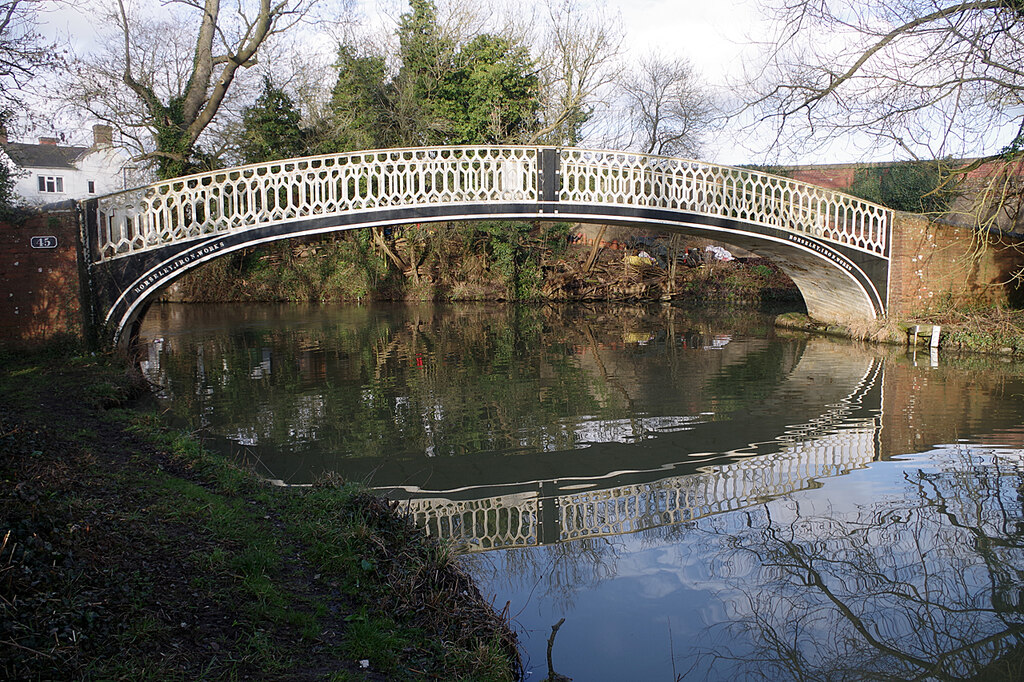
(834,247)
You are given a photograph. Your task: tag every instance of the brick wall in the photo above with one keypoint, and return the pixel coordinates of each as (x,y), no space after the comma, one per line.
(833,176)
(39,287)
(937,263)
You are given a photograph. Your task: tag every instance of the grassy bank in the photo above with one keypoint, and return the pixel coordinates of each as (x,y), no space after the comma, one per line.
(984,329)
(128,552)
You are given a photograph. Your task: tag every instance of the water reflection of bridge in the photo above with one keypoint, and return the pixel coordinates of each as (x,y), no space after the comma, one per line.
(844,438)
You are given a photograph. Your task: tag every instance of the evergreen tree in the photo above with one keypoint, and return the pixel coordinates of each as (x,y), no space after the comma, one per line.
(492,97)
(361,105)
(484,92)
(270,127)
(427,59)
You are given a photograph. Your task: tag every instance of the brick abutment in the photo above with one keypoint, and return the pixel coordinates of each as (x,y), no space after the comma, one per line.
(41,281)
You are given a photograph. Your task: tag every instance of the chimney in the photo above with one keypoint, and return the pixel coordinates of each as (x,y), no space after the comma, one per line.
(48,140)
(102,135)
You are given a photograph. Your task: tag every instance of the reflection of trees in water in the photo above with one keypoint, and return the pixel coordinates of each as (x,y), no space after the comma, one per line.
(440,381)
(924,585)
(552,574)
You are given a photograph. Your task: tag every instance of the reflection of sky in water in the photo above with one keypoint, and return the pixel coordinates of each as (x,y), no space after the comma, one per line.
(749,471)
(882,542)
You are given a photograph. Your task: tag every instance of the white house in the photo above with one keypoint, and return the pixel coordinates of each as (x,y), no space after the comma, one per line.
(48,172)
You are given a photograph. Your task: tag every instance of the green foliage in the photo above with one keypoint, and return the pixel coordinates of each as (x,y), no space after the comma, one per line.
(867,184)
(484,92)
(492,96)
(361,105)
(377,639)
(340,269)
(425,58)
(176,154)
(457,261)
(270,127)
(512,259)
(556,237)
(425,54)
(916,187)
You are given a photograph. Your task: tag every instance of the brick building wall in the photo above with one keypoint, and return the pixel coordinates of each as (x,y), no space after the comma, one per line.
(838,176)
(40,295)
(937,263)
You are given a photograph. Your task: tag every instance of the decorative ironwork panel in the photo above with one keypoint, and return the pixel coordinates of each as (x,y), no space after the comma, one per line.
(249,197)
(639,180)
(253,196)
(480,525)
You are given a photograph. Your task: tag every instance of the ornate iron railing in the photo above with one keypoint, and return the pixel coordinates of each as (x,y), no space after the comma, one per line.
(514,520)
(628,179)
(834,444)
(248,197)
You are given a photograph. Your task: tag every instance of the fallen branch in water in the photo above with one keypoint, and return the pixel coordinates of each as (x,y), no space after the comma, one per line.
(552,675)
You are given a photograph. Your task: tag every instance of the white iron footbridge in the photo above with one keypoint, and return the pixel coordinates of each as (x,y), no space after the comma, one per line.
(836,248)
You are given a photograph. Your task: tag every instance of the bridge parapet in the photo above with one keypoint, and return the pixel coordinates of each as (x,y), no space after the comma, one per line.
(219,202)
(518,519)
(628,179)
(537,180)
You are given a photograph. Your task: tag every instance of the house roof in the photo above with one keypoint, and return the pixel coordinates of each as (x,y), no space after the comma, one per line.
(43,155)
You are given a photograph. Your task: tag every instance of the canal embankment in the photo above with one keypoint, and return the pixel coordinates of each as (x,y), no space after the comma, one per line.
(968,292)
(986,329)
(458,266)
(128,551)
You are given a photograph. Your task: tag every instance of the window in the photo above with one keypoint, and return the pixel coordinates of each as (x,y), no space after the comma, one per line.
(92,187)
(50,183)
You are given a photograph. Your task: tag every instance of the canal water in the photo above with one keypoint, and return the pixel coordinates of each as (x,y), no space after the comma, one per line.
(697,494)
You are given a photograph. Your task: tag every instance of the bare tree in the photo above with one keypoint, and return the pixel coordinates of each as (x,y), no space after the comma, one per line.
(167,78)
(577,56)
(923,79)
(926,78)
(664,107)
(24,53)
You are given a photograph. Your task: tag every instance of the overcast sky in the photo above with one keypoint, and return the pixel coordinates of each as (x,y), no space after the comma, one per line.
(716,36)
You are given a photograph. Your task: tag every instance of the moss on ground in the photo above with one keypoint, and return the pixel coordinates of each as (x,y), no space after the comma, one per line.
(129,552)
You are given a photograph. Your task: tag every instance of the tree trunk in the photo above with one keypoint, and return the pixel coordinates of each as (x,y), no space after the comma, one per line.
(378,239)
(594,250)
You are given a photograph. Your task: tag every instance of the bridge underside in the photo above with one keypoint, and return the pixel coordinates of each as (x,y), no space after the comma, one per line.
(838,284)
